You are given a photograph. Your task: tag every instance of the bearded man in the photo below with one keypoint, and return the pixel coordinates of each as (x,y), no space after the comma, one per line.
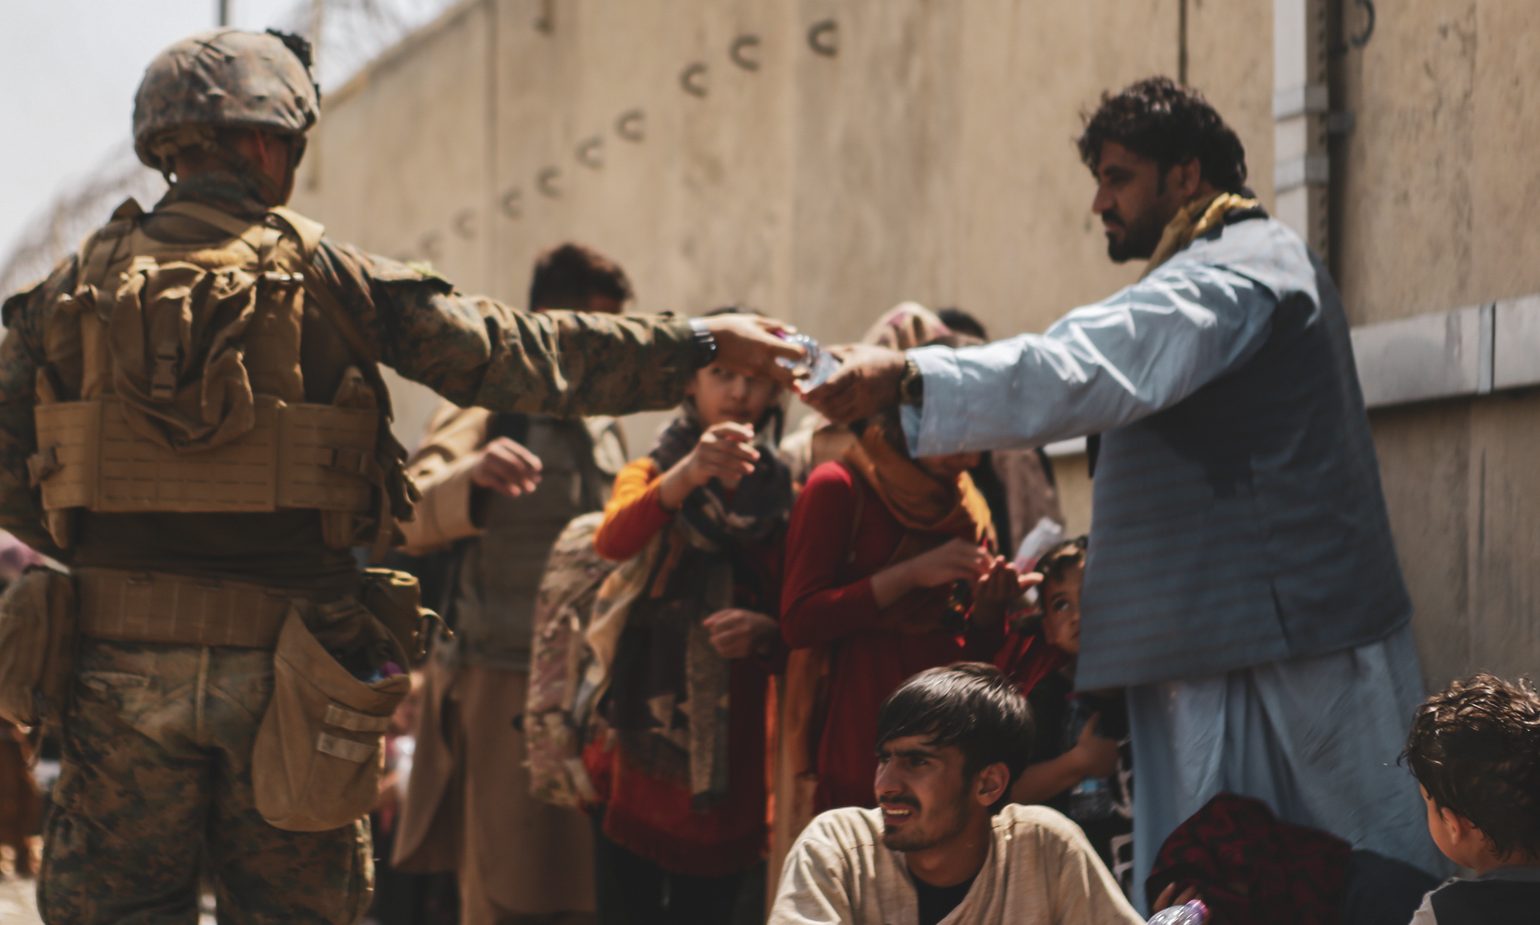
(1242,582)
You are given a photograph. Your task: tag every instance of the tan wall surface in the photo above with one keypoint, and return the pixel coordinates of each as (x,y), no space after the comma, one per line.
(1438,186)
(931,158)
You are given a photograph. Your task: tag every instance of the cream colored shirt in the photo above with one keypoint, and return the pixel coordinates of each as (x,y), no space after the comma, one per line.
(1040,871)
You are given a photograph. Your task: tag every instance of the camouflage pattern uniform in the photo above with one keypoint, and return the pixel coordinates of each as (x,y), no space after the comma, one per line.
(155,783)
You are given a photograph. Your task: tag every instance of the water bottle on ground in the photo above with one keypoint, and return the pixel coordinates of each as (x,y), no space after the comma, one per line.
(820,364)
(1193,913)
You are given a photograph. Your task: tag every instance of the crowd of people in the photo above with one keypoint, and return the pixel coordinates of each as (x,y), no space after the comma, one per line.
(853,672)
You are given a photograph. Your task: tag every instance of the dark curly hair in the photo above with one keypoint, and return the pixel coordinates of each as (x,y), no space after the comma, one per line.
(568,274)
(1475,748)
(1170,124)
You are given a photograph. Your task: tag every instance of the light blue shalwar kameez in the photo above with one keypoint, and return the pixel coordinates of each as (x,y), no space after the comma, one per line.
(1242,584)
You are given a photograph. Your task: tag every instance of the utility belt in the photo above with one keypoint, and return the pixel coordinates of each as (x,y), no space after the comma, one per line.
(339,668)
(129,606)
(157,607)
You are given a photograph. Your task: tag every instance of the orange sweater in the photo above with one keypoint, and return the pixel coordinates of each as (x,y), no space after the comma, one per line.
(635,514)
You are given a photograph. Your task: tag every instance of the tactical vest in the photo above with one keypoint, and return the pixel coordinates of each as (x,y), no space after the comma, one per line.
(174,382)
(499,572)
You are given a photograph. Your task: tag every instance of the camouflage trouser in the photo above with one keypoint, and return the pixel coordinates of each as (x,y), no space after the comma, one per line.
(155,789)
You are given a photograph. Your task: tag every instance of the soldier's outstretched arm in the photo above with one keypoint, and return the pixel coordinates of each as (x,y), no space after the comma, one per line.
(21,353)
(477,351)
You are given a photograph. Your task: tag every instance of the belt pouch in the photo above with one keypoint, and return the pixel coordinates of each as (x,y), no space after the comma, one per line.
(320,750)
(37,647)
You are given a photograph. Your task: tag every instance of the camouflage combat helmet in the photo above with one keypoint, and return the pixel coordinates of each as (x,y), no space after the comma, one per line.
(223,79)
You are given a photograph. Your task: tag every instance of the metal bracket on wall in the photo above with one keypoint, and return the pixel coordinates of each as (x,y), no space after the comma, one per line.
(428,245)
(631,125)
(823,37)
(693,79)
(510,203)
(545,181)
(1361,38)
(739,49)
(590,153)
(464,223)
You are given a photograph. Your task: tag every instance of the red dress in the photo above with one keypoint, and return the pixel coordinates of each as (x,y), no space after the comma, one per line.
(827,599)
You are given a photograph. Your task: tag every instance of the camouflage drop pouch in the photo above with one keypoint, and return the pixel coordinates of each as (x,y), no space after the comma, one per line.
(37,647)
(320,750)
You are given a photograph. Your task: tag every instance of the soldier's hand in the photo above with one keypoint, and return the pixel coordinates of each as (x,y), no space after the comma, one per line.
(749,344)
(506,467)
(865,383)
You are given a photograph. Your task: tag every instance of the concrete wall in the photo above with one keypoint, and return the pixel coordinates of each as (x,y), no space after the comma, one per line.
(1437,185)
(930,158)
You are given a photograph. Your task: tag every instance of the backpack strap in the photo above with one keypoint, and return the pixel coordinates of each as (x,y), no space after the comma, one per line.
(308,231)
(95,256)
(232,225)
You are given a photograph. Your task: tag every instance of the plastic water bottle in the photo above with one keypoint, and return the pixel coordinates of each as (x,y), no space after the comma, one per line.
(1193,913)
(1091,798)
(819,364)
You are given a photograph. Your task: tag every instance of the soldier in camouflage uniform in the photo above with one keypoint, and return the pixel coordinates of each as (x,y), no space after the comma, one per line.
(170,686)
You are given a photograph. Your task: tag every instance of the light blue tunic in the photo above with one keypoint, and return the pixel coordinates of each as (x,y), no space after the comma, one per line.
(1241,580)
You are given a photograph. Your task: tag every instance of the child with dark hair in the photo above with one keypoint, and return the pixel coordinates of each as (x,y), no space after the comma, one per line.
(1080,761)
(1475,751)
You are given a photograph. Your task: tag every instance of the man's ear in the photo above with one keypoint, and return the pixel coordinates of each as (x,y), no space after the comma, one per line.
(991,784)
(1185,178)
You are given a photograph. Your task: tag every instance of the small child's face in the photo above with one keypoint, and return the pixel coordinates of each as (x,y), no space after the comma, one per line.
(1061,610)
(723,395)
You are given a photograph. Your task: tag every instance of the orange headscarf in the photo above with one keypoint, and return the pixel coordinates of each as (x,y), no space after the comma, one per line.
(922,502)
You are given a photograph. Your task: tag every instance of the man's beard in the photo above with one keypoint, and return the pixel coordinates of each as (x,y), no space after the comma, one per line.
(1139,239)
(918,840)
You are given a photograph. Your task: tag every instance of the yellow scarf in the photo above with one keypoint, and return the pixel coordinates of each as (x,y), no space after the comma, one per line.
(1193,220)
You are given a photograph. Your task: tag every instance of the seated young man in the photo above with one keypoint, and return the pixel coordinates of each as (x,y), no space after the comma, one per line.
(939,847)
(1475,749)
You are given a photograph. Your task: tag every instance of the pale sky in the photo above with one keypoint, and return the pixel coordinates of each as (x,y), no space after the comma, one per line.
(68,70)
